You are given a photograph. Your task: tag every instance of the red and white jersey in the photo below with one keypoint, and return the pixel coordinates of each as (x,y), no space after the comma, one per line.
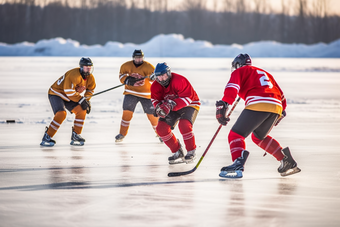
(179,90)
(257,87)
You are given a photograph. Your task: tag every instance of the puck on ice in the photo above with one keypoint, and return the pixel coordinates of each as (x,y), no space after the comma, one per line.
(10,121)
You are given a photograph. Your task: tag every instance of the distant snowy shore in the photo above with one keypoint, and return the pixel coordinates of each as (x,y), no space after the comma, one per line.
(171,45)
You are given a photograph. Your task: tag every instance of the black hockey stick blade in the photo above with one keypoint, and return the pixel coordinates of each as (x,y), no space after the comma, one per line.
(177,174)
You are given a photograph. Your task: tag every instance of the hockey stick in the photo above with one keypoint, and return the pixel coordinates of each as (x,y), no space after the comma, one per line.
(111,88)
(105,90)
(177,174)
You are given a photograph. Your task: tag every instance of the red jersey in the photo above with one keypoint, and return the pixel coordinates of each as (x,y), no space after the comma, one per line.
(179,90)
(257,87)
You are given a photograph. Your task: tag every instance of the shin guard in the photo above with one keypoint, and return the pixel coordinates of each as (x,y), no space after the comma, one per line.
(79,119)
(236,144)
(164,131)
(125,123)
(185,127)
(58,119)
(270,145)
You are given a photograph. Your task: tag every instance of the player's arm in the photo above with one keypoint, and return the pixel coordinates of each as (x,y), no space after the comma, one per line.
(232,88)
(91,85)
(185,94)
(70,85)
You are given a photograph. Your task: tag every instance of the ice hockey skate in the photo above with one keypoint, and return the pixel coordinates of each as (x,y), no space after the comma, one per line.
(235,170)
(190,156)
(177,157)
(76,139)
(119,138)
(47,141)
(288,164)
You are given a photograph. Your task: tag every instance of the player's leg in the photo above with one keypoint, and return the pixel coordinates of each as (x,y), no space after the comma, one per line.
(260,137)
(185,126)
(80,115)
(246,123)
(164,130)
(129,105)
(59,111)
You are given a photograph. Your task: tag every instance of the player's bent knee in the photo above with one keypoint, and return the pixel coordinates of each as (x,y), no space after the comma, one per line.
(60,115)
(256,138)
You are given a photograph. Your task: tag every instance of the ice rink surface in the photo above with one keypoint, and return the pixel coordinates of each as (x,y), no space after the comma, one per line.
(126,184)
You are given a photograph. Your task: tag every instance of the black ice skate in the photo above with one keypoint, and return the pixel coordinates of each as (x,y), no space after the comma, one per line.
(119,138)
(190,156)
(177,157)
(47,141)
(235,170)
(288,164)
(76,139)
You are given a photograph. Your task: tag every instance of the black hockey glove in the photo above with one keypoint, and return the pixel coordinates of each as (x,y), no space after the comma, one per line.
(130,80)
(163,109)
(283,115)
(221,110)
(85,104)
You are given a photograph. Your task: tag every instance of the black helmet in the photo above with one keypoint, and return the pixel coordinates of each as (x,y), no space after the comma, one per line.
(138,53)
(85,62)
(240,60)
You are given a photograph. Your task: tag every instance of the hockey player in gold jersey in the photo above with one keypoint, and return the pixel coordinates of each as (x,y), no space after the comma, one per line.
(64,94)
(135,75)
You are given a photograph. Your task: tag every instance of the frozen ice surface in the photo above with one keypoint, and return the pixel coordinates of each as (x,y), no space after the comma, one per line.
(126,184)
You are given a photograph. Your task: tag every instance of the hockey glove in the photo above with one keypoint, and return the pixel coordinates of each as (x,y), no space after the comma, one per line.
(85,104)
(130,81)
(80,89)
(163,109)
(283,115)
(221,110)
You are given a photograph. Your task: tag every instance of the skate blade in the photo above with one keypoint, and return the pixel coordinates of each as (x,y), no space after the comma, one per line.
(190,160)
(46,144)
(236,174)
(291,171)
(77,143)
(177,161)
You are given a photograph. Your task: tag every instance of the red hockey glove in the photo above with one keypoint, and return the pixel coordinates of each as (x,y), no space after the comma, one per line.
(221,110)
(283,115)
(163,109)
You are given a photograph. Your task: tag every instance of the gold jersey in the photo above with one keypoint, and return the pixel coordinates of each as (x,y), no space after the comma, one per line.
(65,86)
(145,70)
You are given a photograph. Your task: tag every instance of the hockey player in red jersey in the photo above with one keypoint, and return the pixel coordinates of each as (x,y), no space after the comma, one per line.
(265,107)
(64,94)
(175,101)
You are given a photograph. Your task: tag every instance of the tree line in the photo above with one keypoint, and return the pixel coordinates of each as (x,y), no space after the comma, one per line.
(100,21)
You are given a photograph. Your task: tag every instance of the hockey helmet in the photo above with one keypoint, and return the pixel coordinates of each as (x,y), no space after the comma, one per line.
(162,68)
(240,60)
(138,54)
(85,62)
